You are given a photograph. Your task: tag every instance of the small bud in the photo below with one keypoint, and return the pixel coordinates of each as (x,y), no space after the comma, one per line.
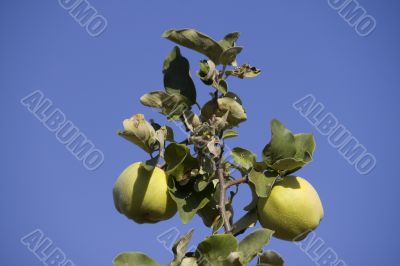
(207,72)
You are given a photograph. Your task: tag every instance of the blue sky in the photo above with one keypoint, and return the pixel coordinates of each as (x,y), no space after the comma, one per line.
(302,48)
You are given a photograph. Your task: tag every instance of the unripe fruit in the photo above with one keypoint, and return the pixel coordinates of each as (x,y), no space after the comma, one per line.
(143,196)
(292,210)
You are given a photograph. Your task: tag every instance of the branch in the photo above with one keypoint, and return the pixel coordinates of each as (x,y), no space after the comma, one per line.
(222,210)
(236,182)
(222,194)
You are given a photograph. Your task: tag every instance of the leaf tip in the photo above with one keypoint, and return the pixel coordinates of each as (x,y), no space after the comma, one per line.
(275,121)
(166,33)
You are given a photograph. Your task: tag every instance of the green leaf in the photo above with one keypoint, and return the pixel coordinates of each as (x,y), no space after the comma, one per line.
(229,40)
(180,248)
(179,161)
(237,114)
(263,182)
(133,259)
(207,167)
(161,136)
(171,105)
(177,79)
(252,244)
(243,157)
(281,145)
(215,249)
(287,164)
(244,71)
(254,200)
(226,43)
(271,258)
(228,57)
(170,134)
(197,41)
(234,97)
(191,120)
(213,147)
(187,199)
(217,224)
(222,86)
(210,215)
(287,151)
(305,146)
(247,221)
(261,166)
(234,259)
(230,134)
(140,132)
(201,183)
(154,99)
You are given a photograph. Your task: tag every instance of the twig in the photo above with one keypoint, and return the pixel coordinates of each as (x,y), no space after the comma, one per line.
(235,182)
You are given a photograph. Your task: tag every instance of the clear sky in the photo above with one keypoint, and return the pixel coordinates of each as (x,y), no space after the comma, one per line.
(302,47)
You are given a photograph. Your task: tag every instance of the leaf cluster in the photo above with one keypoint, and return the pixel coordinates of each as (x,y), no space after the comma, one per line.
(216,250)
